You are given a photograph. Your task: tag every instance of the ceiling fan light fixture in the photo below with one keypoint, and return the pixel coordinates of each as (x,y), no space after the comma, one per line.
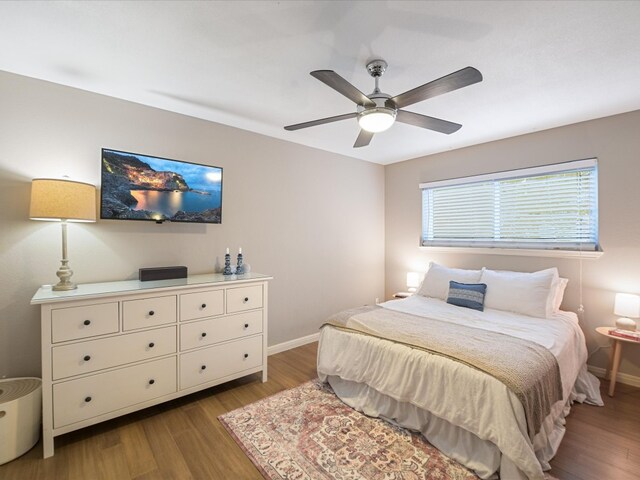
(377,119)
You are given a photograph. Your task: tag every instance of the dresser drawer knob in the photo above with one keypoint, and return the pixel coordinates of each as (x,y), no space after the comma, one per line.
(204,305)
(246,325)
(151,345)
(86,358)
(87,322)
(151,313)
(203,367)
(203,334)
(246,355)
(152,381)
(246,299)
(87,399)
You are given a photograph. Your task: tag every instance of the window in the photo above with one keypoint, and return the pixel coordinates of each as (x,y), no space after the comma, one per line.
(549,207)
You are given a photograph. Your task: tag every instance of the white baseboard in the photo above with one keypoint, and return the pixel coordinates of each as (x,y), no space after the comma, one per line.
(297,342)
(621,377)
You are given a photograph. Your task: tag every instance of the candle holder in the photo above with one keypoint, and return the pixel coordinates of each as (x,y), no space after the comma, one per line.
(227,265)
(240,267)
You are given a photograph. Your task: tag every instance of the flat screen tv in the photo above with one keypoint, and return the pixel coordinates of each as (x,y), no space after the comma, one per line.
(142,187)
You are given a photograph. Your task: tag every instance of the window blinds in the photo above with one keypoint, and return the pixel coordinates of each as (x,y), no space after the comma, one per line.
(551,207)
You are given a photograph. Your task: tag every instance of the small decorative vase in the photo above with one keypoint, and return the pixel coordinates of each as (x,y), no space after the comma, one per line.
(227,265)
(240,267)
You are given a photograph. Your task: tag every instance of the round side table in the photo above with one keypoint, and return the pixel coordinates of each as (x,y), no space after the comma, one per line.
(615,355)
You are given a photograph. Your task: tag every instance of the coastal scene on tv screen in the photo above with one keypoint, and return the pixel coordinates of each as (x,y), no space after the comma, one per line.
(141,187)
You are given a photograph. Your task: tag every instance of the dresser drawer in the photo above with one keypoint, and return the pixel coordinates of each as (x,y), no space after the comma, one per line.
(80,399)
(244,298)
(214,330)
(82,322)
(201,304)
(93,355)
(216,362)
(148,312)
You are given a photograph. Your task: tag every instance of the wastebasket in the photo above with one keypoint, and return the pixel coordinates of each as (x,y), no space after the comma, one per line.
(20,414)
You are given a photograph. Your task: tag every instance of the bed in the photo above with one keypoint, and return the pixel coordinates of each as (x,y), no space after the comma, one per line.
(407,361)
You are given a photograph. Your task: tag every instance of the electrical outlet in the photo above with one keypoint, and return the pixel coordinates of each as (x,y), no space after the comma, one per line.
(377,300)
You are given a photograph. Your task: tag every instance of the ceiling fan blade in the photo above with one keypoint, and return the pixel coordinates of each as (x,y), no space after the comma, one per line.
(321,121)
(430,123)
(364,139)
(339,84)
(462,78)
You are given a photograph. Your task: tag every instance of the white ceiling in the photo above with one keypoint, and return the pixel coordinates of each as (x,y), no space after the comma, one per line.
(247,64)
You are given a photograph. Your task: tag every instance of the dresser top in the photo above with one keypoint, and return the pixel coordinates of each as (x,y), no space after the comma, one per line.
(95,290)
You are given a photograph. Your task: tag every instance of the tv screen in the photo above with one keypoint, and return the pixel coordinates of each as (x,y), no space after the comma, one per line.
(141,187)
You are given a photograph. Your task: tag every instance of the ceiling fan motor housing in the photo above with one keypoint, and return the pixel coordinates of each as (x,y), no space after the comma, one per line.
(382,100)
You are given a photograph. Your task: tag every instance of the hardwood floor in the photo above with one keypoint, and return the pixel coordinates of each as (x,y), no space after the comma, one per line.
(182,439)
(602,443)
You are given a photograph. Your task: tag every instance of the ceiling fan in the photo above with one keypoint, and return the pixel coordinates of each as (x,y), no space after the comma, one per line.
(377,111)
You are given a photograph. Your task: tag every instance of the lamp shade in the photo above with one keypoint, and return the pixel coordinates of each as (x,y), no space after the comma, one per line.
(59,199)
(413,279)
(627,305)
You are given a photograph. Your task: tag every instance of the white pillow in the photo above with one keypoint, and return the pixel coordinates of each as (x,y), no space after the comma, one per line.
(436,280)
(530,294)
(560,286)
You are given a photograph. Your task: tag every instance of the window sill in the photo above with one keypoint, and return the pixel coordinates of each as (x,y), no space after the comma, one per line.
(522,252)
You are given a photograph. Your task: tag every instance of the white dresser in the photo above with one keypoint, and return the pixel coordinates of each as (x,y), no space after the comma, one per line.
(109,349)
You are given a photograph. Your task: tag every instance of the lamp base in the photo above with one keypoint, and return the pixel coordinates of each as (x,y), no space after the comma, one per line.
(63,286)
(64,273)
(624,323)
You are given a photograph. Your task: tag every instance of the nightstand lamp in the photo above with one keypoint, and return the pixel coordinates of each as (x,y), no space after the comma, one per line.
(627,306)
(64,201)
(413,281)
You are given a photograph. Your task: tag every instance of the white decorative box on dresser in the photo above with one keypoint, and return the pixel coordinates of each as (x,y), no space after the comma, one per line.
(109,349)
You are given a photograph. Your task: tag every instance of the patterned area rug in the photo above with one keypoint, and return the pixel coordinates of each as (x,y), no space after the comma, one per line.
(308,433)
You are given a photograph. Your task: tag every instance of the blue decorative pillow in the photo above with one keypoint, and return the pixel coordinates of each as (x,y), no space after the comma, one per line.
(468,295)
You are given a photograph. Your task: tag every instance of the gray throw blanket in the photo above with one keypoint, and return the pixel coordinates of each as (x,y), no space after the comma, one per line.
(528,369)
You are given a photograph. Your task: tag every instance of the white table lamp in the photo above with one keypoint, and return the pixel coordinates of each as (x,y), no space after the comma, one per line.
(627,306)
(413,281)
(64,201)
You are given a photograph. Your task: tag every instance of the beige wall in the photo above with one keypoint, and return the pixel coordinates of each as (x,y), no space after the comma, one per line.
(313,220)
(615,141)
(316,221)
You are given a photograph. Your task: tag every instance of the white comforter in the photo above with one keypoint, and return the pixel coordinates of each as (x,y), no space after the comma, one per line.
(467,414)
